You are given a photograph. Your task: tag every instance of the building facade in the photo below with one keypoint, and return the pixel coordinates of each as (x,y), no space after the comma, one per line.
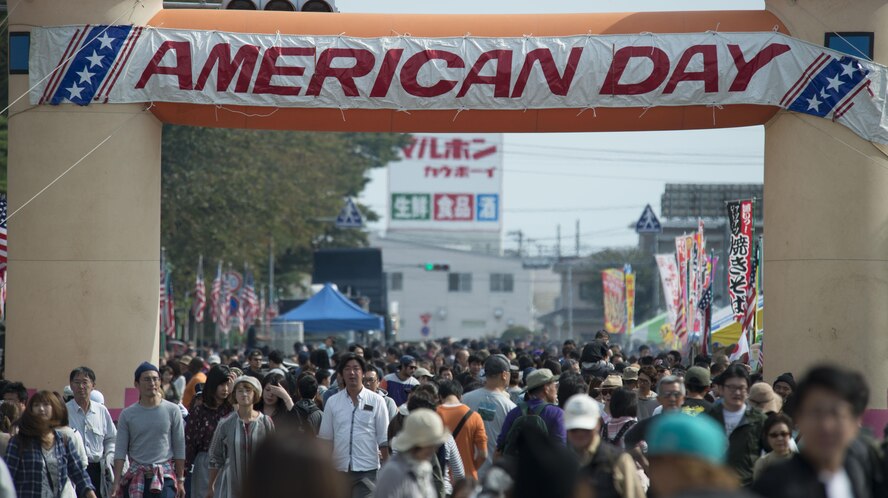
(479,294)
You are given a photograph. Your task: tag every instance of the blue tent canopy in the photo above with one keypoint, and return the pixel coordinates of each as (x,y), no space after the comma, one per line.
(330,311)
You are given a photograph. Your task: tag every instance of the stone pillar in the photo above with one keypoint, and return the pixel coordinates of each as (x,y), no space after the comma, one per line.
(826,230)
(84,254)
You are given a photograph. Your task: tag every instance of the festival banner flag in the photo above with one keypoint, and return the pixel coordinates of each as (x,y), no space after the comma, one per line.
(614,283)
(740,221)
(216,294)
(630,301)
(669,281)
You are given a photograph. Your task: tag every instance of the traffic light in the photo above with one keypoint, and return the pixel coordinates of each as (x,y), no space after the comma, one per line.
(282,5)
(437,267)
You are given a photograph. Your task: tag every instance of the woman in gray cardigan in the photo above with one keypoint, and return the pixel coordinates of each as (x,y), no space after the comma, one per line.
(236,436)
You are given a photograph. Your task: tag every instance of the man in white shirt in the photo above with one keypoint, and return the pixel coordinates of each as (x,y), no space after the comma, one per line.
(492,403)
(93,421)
(355,423)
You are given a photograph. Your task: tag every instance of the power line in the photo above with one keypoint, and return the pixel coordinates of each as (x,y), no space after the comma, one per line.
(510,145)
(648,161)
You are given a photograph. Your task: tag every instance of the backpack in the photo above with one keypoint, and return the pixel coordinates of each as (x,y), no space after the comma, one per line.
(303,418)
(529,420)
(439,468)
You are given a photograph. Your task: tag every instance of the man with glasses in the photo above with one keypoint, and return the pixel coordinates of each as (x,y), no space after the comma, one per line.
(834,460)
(356,425)
(400,383)
(670,395)
(371,382)
(741,422)
(151,434)
(93,421)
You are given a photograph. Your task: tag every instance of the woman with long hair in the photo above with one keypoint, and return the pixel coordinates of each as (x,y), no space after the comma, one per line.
(235,437)
(40,459)
(276,401)
(202,424)
(60,423)
(9,416)
(623,416)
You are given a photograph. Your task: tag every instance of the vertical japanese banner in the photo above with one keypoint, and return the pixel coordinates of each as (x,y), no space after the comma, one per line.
(669,280)
(682,265)
(630,302)
(614,283)
(740,216)
(447,182)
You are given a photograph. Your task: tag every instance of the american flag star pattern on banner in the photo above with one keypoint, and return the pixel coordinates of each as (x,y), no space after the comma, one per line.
(4,206)
(752,298)
(828,86)
(200,294)
(91,65)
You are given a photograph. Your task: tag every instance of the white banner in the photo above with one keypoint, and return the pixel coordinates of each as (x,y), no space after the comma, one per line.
(669,279)
(121,64)
(447,181)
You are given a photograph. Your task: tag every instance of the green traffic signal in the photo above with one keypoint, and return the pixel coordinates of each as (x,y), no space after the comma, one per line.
(437,267)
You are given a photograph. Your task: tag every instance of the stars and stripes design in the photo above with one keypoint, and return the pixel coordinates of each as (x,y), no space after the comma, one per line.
(91,64)
(200,294)
(748,322)
(4,206)
(167,313)
(216,294)
(705,306)
(249,301)
(827,86)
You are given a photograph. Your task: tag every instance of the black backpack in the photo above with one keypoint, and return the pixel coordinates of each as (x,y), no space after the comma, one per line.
(303,418)
(529,420)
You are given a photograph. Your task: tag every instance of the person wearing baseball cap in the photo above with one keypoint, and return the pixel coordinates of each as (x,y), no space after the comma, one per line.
(409,473)
(609,471)
(423,375)
(630,378)
(492,402)
(400,383)
(697,382)
(541,400)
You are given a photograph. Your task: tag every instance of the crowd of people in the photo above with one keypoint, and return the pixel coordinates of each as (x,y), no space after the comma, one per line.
(446,419)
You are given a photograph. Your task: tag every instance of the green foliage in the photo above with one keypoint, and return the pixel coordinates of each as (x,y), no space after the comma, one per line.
(226,193)
(516,333)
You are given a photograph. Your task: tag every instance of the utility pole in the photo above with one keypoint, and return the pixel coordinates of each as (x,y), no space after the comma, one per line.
(270,272)
(519,236)
(577,250)
(558,246)
(570,301)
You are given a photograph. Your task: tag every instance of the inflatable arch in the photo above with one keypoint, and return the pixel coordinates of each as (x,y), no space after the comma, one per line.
(83,256)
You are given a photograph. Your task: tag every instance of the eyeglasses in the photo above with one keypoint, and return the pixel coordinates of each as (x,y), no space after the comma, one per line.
(370,381)
(780,435)
(606,391)
(673,394)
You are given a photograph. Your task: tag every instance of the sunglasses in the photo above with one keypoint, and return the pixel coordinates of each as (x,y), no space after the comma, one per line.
(607,391)
(780,435)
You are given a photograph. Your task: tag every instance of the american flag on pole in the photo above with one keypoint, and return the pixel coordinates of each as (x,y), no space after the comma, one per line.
(705,305)
(225,307)
(170,324)
(215,294)
(200,293)
(752,298)
(3,249)
(249,301)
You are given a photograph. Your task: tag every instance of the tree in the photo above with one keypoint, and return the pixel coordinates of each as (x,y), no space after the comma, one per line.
(227,193)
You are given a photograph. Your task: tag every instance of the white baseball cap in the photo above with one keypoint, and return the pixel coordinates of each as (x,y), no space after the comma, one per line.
(581,412)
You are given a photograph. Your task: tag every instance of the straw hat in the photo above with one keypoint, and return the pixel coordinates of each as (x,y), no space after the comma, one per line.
(422,428)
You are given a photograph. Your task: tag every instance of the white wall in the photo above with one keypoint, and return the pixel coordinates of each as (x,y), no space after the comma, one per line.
(455,314)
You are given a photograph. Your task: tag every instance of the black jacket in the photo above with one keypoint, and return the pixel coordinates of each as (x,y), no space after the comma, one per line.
(745,443)
(796,478)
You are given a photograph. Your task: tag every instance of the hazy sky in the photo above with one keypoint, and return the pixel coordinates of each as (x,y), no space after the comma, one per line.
(602,179)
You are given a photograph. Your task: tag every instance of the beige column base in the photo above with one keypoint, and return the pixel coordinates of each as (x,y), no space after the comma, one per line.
(84,254)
